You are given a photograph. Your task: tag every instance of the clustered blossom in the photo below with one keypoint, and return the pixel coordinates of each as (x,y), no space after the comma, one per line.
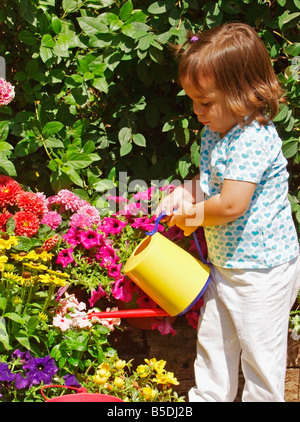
(34,371)
(72,314)
(7,92)
(30,207)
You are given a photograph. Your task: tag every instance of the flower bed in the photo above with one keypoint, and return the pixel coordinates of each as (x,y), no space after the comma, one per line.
(60,261)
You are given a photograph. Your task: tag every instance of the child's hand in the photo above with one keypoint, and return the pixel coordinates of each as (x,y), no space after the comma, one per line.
(184,218)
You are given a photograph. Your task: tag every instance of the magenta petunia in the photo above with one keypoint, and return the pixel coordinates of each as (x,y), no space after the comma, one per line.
(123,289)
(90,239)
(96,295)
(112,226)
(114,271)
(65,257)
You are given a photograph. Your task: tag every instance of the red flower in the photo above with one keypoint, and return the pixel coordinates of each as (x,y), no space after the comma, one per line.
(9,190)
(4,217)
(29,201)
(27,223)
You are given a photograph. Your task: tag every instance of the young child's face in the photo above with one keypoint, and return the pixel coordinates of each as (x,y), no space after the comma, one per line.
(210,106)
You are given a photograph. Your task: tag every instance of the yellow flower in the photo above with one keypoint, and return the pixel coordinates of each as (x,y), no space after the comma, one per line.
(143,371)
(43,256)
(58,273)
(165,378)
(149,393)
(3,260)
(47,278)
(8,243)
(11,276)
(99,380)
(120,364)
(19,256)
(43,316)
(35,266)
(17,300)
(158,365)
(119,382)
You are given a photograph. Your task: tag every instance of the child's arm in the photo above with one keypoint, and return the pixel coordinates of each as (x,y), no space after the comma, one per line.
(230,204)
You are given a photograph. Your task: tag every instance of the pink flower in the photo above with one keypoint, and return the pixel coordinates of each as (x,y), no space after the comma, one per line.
(145,195)
(81,220)
(123,289)
(96,295)
(106,322)
(146,224)
(133,209)
(175,234)
(65,257)
(7,92)
(112,226)
(52,219)
(89,239)
(117,199)
(164,327)
(72,236)
(107,256)
(114,271)
(145,302)
(70,200)
(62,322)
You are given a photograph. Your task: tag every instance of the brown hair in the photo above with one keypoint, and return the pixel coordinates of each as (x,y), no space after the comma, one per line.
(237,60)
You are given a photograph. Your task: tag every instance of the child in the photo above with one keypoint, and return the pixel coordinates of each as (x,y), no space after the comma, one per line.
(240,198)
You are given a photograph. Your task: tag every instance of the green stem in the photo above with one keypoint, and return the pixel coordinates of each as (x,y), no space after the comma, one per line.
(50,293)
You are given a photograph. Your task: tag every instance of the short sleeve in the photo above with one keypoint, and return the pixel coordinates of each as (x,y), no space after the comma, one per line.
(246,160)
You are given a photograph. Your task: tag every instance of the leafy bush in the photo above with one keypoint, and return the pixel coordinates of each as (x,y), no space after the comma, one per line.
(96,90)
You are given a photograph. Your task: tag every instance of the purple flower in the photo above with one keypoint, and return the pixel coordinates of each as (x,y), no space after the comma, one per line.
(5,373)
(65,257)
(71,381)
(20,382)
(40,370)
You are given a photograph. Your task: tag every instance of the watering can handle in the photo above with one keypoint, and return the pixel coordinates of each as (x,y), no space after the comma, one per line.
(79,390)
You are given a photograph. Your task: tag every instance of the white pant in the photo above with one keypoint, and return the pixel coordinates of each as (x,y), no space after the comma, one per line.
(245,316)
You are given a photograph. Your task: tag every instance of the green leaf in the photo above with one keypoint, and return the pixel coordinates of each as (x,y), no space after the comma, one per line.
(124,135)
(126,10)
(52,128)
(139,139)
(290,147)
(125,149)
(283,112)
(56,24)
(54,143)
(103,185)
(48,41)
(15,317)
(184,167)
(92,26)
(78,160)
(159,7)
(101,84)
(27,37)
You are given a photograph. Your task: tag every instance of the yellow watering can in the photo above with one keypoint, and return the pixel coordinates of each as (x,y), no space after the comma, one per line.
(168,274)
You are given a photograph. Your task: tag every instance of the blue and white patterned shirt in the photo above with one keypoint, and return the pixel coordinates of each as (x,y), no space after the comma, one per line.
(265,236)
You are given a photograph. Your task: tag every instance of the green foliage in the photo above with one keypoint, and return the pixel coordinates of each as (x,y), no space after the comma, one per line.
(96,90)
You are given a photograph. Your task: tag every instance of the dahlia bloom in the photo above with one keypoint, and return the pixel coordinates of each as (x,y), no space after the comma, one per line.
(9,191)
(52,219)
(7,92)
(27,223)
(29,201)
(4,217)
